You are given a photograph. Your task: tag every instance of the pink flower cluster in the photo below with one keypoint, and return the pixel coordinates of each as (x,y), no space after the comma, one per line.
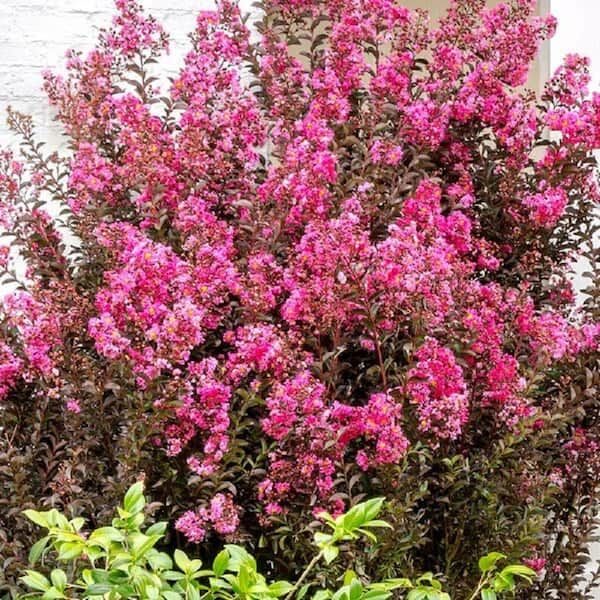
(91,175)
(156,307)
(39,330)
(379,424)
(547,207)
(307,452)
(437,389)
(201,411)
(221,515)
(133,30)
(10,369)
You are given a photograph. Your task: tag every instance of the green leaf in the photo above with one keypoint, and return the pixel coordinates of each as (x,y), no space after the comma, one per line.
(377,523)
(141,544)
(220,563)
(325,516)
(159,561)
(134,500)
(150,592)
(330,553)
(349,577)
(372,508)
(356,590)
(244,579)
(173,575)
(157,529)
(110,533)
(52,594)
(36,581)
(376,595)
(430,579)
(218,584)
(192,593)
(87,576)
(99,542)
(196,565)
(37,550)
(303,591)
(367,534)
(182,560)
(239,556)
(354,518)
(55,519)
(488,594)
(125,591)
(70,550)
(342,593)
(77,523)
(259,588)
(503,583)
(95,553)
(59,579)
(280,588)
(321,538)
(391,584)
(97,589)
(65,536)
(37,517)
(114,578)
(488,562)
(520,571)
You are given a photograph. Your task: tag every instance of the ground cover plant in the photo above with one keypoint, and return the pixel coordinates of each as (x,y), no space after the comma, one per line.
(121,561)
(328,262)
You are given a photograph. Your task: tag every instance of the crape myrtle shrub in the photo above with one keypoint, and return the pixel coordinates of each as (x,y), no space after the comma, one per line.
(325,265)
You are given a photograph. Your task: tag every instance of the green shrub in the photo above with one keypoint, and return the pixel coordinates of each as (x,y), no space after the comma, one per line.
(122,561)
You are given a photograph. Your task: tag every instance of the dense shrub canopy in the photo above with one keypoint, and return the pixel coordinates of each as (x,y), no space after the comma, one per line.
(330,263)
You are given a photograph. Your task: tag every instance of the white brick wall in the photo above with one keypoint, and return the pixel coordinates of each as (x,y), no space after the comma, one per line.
(35,34)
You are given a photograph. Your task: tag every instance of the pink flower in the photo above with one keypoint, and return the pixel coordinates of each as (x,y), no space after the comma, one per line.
(73,406)
(191,524)
(537,564)
(220,515)
(437,388)
(546,207)
(10,369)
